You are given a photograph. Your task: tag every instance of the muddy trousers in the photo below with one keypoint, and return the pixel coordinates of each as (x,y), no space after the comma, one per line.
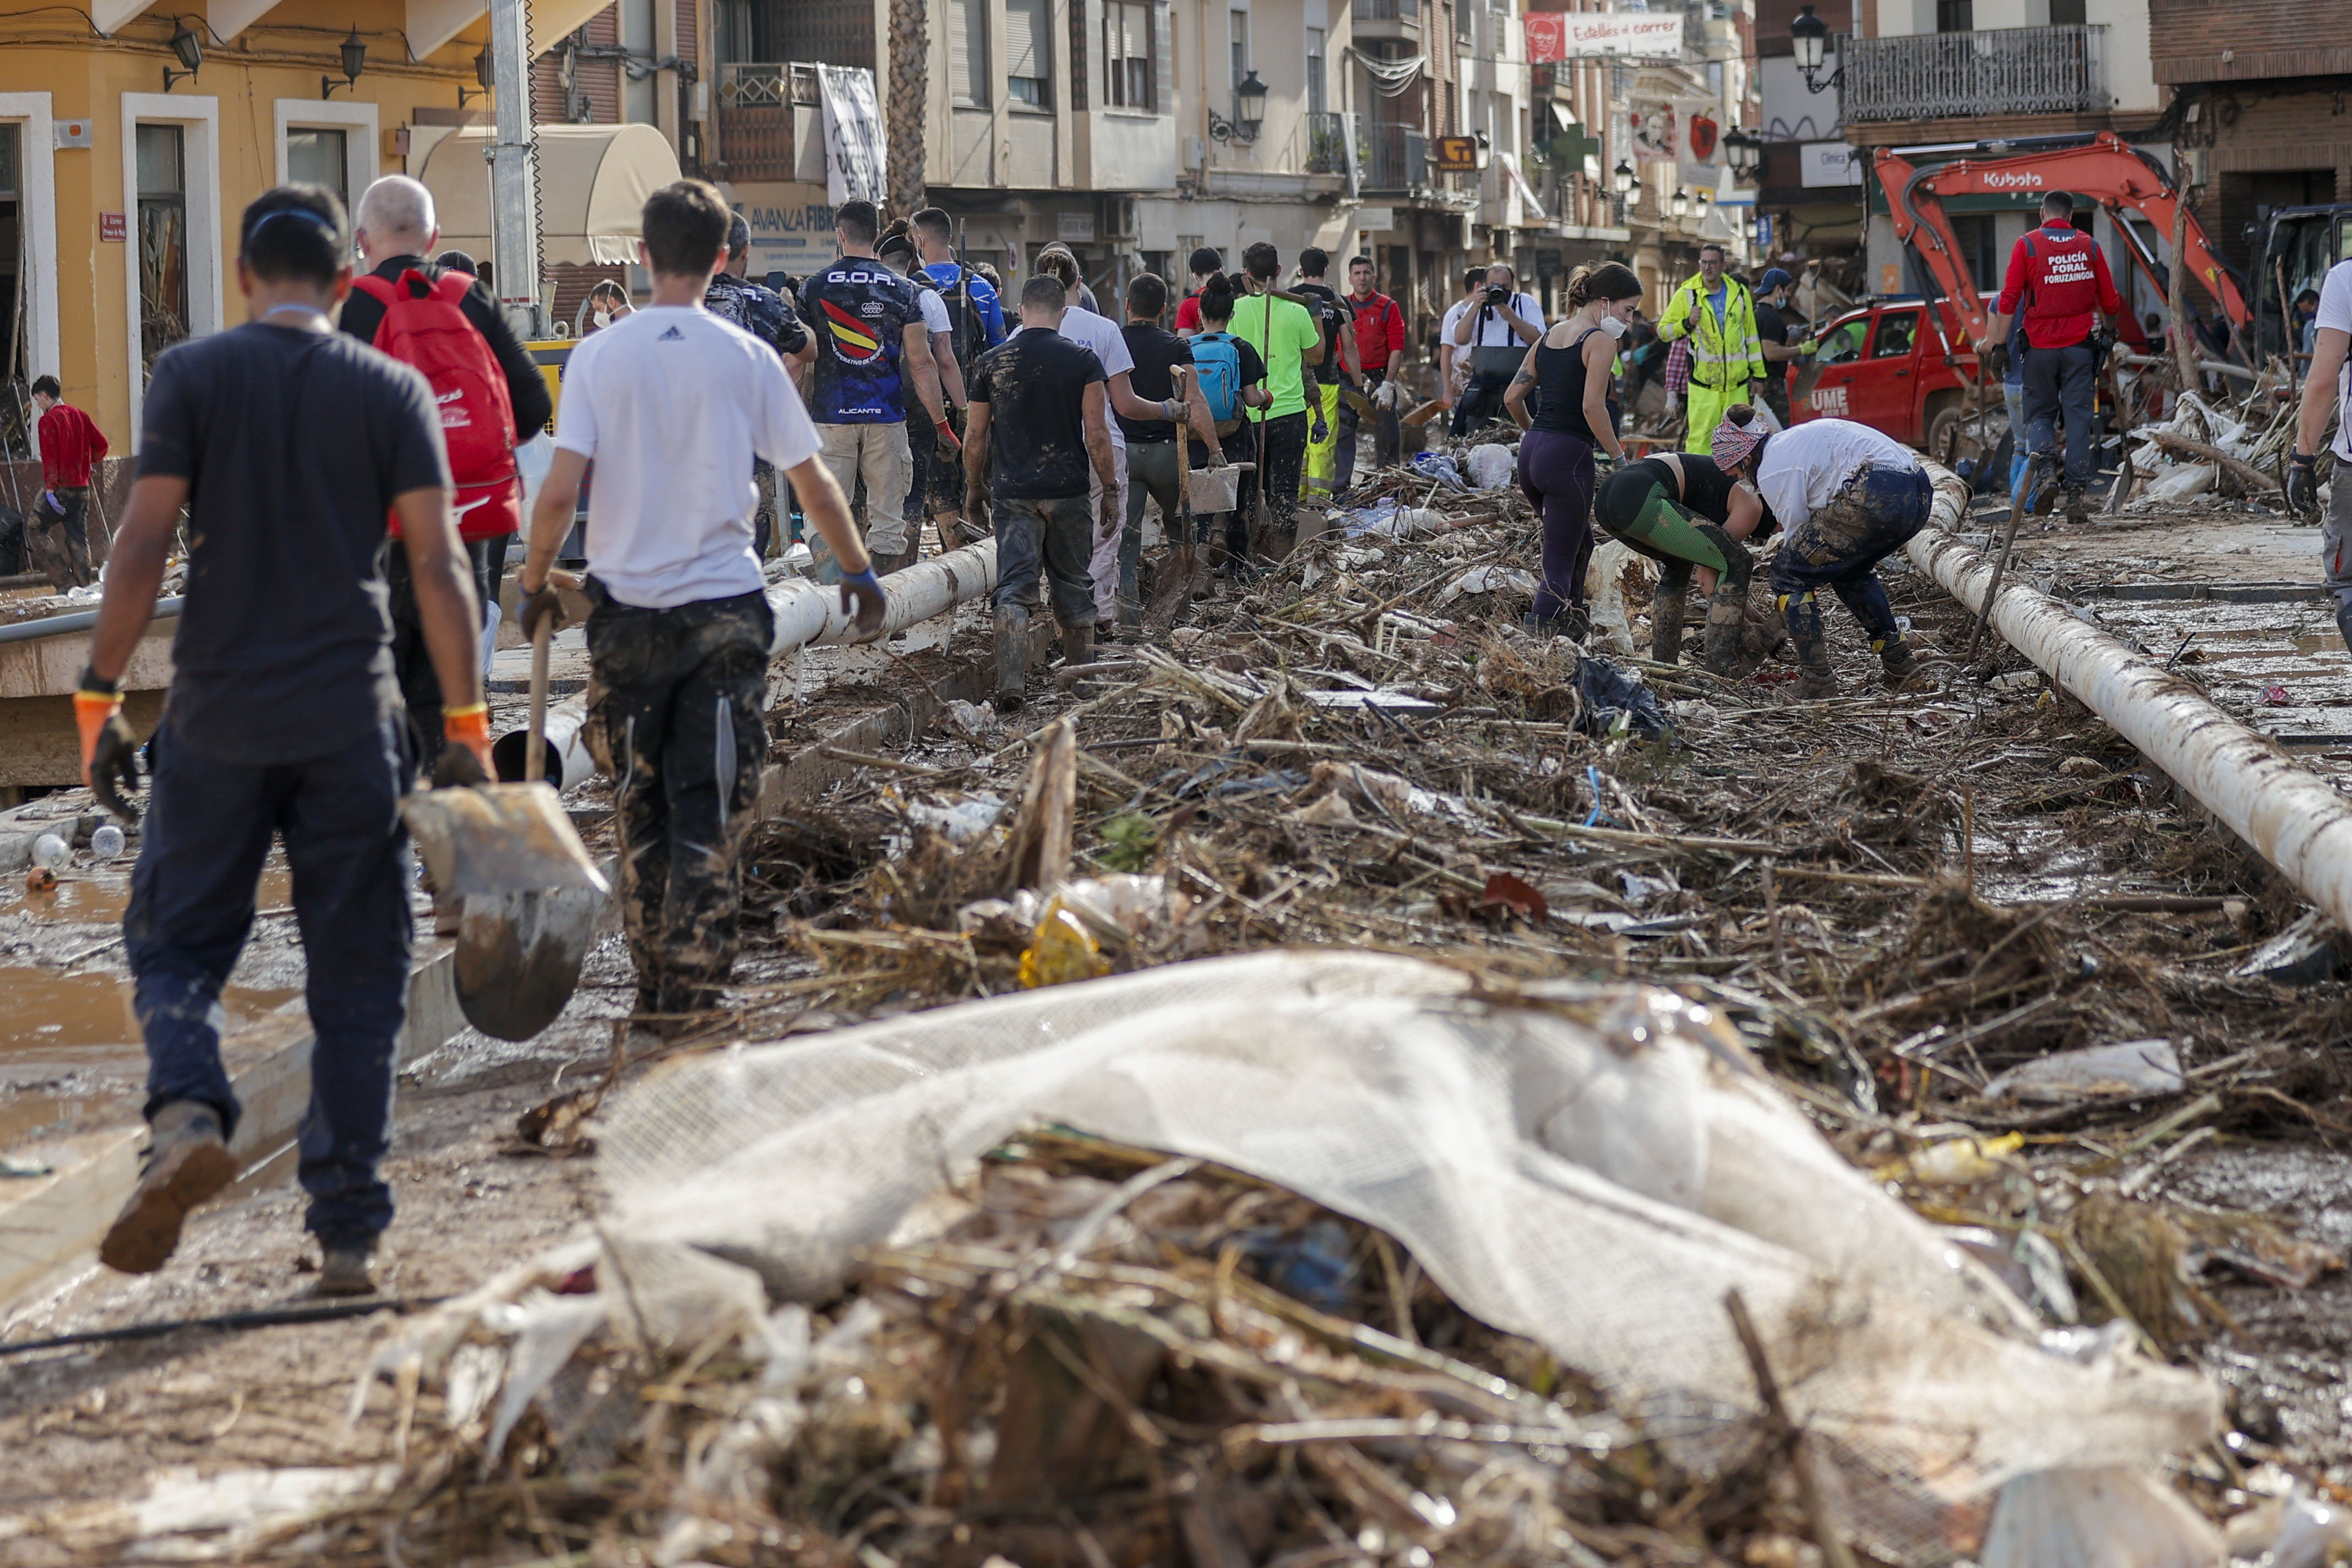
(1150,476)
(675,704)
(1323,456)
(60,541)
(1839,548)
(2335,549)
(1387,433)
(1556,475)
(1285,458)
(201,848)
(2059,384)
(1047,540)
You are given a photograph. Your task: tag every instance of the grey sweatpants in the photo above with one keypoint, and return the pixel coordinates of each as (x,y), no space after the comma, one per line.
(2336,535)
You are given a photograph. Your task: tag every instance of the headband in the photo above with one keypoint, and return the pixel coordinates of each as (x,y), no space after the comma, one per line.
(1735,443)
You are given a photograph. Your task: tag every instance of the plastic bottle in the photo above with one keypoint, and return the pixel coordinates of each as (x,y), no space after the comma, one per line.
(106,842)
(49,851)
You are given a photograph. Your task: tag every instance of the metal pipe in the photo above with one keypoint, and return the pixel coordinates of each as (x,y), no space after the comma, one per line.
(79,621)
(808,615)
(2293,818)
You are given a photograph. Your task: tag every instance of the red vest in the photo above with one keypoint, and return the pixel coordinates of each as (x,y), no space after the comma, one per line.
(2064,286)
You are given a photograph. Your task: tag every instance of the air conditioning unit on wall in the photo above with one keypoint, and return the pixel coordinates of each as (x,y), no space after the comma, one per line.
(1118,218)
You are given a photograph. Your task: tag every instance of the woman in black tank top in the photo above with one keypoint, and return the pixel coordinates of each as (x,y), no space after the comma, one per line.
(1569,368)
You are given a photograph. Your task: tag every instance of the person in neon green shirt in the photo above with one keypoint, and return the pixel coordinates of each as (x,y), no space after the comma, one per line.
(1285,334)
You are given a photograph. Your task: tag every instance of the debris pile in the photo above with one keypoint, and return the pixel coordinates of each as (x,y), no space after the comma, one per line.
(1286,1258)
(2200,450)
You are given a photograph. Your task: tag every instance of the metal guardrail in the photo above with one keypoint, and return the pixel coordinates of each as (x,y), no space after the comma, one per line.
(1388,10)
(1396,158)
(1952,75)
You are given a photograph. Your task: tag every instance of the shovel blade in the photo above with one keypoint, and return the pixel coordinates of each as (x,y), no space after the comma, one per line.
(517,958)
(496,839)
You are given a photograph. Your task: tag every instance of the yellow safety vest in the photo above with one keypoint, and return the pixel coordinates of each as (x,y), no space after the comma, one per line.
(1725,355)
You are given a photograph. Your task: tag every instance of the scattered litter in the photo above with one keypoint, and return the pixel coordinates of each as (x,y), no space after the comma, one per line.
(1489,580)
(2276,697)
(17,1165)
(975,720)
(1491,466)
(1612,699)
(1438,466)
(2129,1070)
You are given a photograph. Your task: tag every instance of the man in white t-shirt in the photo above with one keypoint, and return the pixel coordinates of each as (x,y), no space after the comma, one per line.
(1101,334)
(1495,329)
(2330,382)
(673,404)
(1452,366)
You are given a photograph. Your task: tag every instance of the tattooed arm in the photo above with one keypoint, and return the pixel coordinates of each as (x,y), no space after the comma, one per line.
(1515,398)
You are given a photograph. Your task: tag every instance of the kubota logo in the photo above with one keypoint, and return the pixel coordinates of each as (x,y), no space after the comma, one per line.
(2020,182)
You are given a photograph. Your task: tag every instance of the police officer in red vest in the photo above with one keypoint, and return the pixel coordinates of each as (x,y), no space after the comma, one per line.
(2061,275)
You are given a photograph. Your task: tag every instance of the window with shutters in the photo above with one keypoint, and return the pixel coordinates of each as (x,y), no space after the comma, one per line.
(1237,37)
(1128,50)
(1316,91)
(1029,53)
(968,52)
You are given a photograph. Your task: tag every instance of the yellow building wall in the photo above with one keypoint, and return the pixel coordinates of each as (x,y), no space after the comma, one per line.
(281,57)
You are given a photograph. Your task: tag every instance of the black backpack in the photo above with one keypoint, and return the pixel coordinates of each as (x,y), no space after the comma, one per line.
(967,328)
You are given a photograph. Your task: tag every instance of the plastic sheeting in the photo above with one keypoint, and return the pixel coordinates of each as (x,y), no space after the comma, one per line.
(1593,1167)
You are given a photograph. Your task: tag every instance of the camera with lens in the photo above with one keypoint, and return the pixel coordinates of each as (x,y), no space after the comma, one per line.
(1498,295)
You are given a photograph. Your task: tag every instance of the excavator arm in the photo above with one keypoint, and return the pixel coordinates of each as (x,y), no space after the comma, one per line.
(2108,169)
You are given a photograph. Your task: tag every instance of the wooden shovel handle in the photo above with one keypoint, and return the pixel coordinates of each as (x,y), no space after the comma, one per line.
(534,766)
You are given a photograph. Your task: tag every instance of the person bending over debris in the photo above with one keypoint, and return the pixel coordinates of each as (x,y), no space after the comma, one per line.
(1688,516)
(672,404)
(1568,369)
(1849,497)
(289,442)
(1039,413)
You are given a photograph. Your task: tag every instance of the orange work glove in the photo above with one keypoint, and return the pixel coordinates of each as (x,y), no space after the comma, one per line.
(109,748)
(466,754)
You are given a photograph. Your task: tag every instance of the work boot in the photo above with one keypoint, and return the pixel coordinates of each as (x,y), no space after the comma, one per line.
(347,1270)
(1727,630)
(1897,664)
(1544,627)
(1667,605)
(1802,614)
(2076,508)
(1012,658)
(2344,622)
(1078,646)
(186,1162)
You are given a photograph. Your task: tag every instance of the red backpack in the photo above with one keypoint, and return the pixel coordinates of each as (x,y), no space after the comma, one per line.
(423,327)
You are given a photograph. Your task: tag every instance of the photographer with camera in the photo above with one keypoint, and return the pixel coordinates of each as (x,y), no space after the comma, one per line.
(1496,333)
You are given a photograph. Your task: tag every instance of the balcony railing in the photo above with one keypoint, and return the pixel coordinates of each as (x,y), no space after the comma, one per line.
(1396,158)
(748,83)
(1954,76)
(1388,10)
(1327,144)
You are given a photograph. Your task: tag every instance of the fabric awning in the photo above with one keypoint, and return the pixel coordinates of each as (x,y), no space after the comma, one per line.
(593,184)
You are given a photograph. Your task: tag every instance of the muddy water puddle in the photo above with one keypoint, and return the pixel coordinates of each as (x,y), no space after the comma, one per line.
(100,897)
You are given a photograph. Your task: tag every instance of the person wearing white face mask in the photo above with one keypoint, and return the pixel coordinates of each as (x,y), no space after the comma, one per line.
(1568,370)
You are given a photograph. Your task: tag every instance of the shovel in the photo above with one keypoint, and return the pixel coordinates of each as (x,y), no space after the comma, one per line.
(531,894)
(1174,588)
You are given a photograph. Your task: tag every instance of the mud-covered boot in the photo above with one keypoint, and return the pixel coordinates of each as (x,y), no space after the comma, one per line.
(2344,622)
(1012,658)
(2071,501)
(1802,614)
(1726,608)
(1078,646)
(1897,665)
(186,1162)
(1667,605)
(1544,628)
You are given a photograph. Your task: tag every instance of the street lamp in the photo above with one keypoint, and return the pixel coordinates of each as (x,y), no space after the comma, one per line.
(190,50)
(1622,179)
(1680,203)
(1745,150)
(1809,38)
(1704,199)
(486,71)
(355,53)
(1249,113)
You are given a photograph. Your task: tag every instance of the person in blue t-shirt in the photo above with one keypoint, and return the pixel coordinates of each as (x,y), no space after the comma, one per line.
(975,315)
(870,333)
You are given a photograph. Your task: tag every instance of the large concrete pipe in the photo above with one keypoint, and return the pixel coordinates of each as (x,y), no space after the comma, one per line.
(2293,818)
(808,615)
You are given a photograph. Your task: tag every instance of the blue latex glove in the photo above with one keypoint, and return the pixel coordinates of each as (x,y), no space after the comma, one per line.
(862,596)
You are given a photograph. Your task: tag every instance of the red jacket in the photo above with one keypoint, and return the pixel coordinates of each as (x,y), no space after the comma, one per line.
(2061,276)
(1380,330)
(70,447)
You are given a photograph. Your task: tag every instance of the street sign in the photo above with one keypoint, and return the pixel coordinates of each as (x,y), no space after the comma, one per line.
(113,228)
(1454,154)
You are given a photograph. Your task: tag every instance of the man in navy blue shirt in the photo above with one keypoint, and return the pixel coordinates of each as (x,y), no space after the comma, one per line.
(870,336)
(288,442)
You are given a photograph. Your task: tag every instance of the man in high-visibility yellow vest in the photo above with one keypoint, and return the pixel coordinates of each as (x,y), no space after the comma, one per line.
(1716,311)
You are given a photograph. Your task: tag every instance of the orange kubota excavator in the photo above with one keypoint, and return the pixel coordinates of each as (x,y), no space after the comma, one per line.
(2106,168)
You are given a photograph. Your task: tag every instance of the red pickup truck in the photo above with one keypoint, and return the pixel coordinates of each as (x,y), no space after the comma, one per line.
(1884,364)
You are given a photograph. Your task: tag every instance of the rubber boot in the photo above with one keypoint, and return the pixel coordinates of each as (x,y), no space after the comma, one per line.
(1011,657)
(1726,608)
(1078,646)
(1667,605)
(1802,613)
(1543,627)
(2071,501)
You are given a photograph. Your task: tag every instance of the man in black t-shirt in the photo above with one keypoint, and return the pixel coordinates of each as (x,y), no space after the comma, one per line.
(288,442)
(761,311)
(1151,443)
(1039,407)
(1775,339)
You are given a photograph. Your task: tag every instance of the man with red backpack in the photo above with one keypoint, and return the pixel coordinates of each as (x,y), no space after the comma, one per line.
(2060,275)
(490,393)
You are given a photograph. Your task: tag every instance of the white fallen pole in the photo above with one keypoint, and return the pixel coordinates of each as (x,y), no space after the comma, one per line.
(2293,818)
(808,615)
